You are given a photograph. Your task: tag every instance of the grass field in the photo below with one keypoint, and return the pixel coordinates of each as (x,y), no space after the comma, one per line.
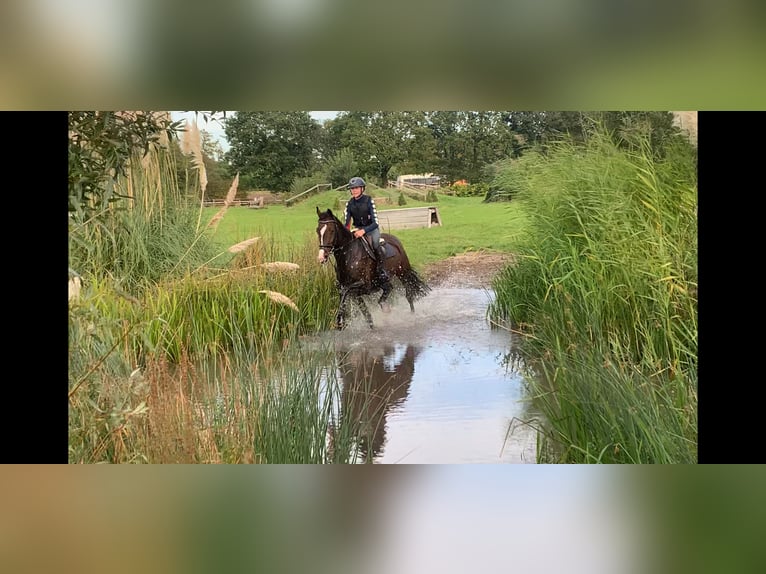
(468,224)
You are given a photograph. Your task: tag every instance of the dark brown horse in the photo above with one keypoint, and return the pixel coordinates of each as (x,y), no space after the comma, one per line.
(356,266)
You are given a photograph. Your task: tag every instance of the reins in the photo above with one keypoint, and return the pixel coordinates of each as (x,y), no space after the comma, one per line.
(331,248)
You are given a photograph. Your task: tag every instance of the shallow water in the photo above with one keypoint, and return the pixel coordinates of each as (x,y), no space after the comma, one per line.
(434,386)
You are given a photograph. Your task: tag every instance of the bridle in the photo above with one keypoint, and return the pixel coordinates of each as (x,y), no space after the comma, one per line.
(329,249)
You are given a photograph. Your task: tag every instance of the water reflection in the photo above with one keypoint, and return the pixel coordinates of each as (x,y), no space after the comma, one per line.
(373,384)
(437,386)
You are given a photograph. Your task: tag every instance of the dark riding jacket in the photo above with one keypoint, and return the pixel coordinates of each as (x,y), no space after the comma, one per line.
(362,212)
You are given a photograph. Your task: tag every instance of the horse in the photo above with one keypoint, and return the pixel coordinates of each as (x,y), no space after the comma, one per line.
(355,267)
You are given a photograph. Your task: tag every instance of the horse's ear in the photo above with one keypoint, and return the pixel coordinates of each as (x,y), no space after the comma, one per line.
(330,212)
(317,210)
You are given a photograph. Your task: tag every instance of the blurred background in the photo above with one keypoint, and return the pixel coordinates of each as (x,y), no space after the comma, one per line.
(383,519)
(337,54)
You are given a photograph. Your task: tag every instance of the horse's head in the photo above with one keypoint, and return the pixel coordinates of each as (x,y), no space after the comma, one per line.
(330,232)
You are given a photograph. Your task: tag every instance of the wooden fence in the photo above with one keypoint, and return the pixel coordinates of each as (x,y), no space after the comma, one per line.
(256,202)
(314,189)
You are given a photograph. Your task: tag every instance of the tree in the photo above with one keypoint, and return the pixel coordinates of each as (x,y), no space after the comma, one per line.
(271,149)
(627,127)
(378,140)
(539,128)
(341,167)
(448,149)
(211,147)
(486,139)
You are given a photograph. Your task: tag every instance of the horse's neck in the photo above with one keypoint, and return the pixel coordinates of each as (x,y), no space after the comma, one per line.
(343,239)
(344,236)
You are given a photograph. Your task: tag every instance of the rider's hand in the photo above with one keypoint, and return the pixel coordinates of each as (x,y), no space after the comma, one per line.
(358,232)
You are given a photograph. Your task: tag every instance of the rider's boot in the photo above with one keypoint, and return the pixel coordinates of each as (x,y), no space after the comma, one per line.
(380,257)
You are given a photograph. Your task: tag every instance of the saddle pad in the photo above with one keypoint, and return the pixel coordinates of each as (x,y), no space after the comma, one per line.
(389,251)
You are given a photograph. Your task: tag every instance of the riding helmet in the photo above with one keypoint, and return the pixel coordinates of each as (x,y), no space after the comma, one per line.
(356,182)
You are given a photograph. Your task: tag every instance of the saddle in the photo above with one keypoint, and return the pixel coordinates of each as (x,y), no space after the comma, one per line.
(389,251)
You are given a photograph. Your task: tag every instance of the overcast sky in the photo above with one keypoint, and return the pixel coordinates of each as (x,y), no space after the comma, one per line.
(215,128)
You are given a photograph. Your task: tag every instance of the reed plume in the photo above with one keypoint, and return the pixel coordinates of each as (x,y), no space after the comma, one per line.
(226,203)
(193,145)
(242,245)
(279,298)
(280,266)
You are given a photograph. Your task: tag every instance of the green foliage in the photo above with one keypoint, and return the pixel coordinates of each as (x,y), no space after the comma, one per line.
(100,146)
(211,147)
(605,289)
(341,167)
(539,129)
(634,130)
(294,420)
(149,232)
(401,200)
(510,177)
(301,184)
(379,140)
(469,190)
(218,179)
(431,196)
(138,251)
(271,149)
(464,142)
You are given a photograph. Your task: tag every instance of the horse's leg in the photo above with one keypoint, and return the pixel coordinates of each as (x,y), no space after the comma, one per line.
(365,311)
(386,288)
(340,317)
(410,297)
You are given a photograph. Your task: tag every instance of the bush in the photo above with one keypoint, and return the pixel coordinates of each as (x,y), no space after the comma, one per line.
(401,200)
(470,189)
(431,196)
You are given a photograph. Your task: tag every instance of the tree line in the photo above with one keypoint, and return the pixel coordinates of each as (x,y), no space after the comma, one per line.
(274,150)
(289,151)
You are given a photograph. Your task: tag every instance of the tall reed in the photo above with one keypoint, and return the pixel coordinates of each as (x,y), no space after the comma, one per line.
(130,358)
(150,233)
(605,292)
(233,408)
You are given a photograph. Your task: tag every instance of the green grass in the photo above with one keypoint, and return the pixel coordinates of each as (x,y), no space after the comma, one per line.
(467,225)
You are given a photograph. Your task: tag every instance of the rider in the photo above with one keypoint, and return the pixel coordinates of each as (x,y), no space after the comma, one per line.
(361,210)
